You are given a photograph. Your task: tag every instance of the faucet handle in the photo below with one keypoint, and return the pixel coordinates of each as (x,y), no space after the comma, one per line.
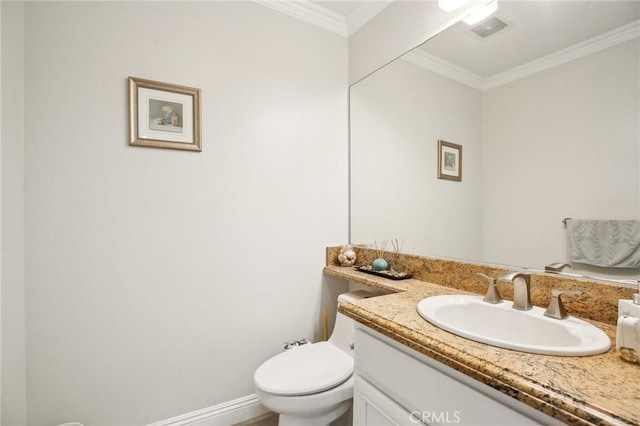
(492,296)
(556,267)
(556,308)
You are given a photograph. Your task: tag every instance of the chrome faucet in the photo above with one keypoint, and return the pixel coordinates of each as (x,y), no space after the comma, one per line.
(521,289)
(556,267)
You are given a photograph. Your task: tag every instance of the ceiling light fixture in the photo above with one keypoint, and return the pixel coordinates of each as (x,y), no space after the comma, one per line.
(481,12)
(451,5)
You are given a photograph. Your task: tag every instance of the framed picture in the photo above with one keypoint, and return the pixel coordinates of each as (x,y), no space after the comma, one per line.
(449,161)
(164,115)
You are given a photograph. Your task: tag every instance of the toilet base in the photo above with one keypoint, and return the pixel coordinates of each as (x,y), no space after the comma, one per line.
(323,420)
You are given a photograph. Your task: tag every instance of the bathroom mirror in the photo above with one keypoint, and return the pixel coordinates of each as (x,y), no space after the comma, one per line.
(545,104)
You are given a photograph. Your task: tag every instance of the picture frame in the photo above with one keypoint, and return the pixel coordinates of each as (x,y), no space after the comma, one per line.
(449,161)
(163,115)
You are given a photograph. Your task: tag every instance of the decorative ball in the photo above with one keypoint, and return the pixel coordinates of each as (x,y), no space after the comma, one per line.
(380,265)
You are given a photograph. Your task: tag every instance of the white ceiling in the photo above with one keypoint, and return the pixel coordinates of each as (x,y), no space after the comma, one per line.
(536,29)
(343,8)
(352,13)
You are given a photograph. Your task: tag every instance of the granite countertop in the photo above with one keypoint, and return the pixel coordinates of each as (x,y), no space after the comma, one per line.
(599,389)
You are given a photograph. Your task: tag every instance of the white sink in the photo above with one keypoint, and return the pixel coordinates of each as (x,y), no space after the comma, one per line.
(501,325)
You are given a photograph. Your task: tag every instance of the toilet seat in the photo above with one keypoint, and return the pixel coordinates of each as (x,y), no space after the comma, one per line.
(304,370)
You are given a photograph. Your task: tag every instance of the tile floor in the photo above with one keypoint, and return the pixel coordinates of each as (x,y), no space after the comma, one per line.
(269,419)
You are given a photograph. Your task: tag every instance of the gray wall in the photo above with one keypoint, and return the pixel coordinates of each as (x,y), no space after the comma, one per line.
(158,280)
(561,143)
(398,115)
(13,304)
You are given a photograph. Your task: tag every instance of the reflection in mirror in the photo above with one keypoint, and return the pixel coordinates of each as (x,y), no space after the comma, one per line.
(547,111)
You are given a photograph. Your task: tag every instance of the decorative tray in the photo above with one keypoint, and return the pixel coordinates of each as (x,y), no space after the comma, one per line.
(391,274)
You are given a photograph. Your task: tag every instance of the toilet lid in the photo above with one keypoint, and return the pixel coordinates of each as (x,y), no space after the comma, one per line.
(304,370)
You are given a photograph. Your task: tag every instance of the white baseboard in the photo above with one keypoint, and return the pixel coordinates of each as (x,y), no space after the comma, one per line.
(225,414)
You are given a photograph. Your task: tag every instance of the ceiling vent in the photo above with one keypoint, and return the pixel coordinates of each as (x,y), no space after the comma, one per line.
(489,26)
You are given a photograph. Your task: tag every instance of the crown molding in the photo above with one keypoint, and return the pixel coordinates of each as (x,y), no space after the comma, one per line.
(609,39)
(310,13)
(363,13)
(444,68)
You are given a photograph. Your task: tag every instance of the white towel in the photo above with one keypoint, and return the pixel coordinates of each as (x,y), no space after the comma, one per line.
(608,243)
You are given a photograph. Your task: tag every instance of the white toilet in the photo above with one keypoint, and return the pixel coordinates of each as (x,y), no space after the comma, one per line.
(311,385)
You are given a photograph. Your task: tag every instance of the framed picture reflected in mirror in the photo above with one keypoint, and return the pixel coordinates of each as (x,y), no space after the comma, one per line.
(449,161)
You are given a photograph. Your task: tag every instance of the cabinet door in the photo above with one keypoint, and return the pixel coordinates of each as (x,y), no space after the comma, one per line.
(373,408)
(431,392)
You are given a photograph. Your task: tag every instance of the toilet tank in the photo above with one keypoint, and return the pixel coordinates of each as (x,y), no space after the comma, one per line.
(344,328)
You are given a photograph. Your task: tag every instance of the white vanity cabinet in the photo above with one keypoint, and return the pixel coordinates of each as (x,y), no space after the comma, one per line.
(371,407)
(395,385)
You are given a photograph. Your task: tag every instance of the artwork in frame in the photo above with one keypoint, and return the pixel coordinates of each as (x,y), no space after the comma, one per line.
(163,115)
(449,161)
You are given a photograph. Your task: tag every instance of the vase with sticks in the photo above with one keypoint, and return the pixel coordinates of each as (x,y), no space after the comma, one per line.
(380,264)
(397,248)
